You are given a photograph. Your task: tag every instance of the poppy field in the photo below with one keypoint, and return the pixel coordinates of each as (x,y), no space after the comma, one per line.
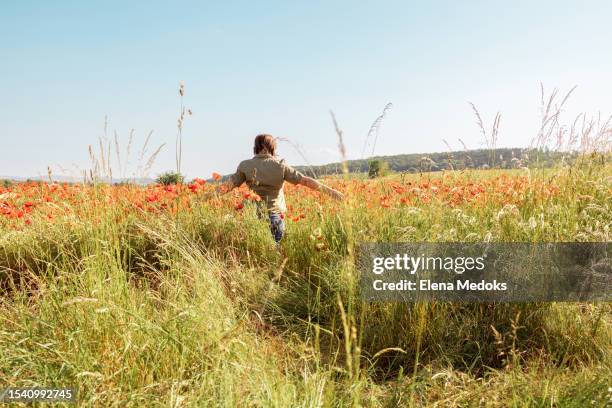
(175,295)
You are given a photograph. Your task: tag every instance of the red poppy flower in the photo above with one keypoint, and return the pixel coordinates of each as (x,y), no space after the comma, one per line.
(151,198)
(216,176)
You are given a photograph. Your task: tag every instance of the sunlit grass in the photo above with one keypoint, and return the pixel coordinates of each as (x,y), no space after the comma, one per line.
(172,296)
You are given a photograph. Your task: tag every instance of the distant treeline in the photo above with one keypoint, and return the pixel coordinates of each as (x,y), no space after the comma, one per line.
(501,158)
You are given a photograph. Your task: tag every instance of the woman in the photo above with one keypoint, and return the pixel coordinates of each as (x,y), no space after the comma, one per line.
(265,175)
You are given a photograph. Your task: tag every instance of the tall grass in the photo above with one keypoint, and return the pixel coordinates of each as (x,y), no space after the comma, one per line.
(198,308)
(152,312)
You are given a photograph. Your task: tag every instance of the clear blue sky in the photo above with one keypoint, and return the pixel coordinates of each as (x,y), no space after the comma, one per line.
(278,67)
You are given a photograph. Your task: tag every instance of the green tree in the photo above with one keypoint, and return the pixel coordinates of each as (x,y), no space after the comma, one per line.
(170,177)
(377,168)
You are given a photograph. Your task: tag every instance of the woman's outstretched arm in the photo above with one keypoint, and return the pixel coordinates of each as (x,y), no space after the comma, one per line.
(315,185)
(235,180)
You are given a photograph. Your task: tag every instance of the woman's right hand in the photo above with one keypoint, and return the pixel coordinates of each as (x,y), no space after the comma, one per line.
(335,194)
(315,185)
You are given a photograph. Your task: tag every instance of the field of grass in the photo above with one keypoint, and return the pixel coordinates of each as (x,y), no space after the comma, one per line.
(176,296)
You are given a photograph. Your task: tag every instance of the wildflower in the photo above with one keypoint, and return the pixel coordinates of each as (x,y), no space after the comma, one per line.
(216,176)
(239,206)
(151,198)
(5,209)
(384,201)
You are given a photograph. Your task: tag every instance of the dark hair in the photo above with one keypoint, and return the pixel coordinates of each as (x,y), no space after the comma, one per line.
(265,143)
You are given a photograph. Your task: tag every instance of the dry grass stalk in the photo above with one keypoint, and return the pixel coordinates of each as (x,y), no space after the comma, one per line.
(374,130)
